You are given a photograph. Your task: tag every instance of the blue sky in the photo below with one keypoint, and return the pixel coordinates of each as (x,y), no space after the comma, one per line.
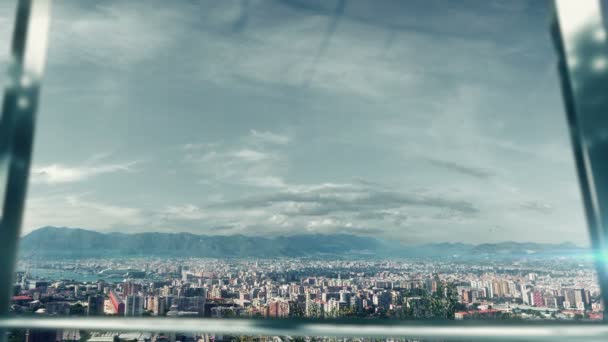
(415,121)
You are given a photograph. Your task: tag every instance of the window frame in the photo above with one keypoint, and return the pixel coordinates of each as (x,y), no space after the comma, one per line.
(17,123)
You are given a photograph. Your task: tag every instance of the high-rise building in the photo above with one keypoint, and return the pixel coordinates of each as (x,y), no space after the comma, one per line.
(117,303)
(334,308)
(191,304)
(150,303)
(344,297)
(580,299)
(525,296)
(278,308)
(430,285)
(551,302)
(382,300)
(130,288)
(467,296)
(496,289)
(160,306)
(314,308)
(134,305)
(513,288)
(537,299)
(356,303)
(95,305)
(57,308)
(490,289)
(576,298)
(504,288)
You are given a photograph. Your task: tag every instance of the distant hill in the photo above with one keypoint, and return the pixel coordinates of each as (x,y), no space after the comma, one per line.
(76,242)
(58,242)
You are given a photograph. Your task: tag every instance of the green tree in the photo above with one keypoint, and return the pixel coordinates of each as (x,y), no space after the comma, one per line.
(77,310)
(297,311)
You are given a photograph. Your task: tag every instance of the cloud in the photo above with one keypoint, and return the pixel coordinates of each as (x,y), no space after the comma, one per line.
(310,50)
(460,168)
(252,160)
(240,167)
(347,208)
(266,181)
(119,214)
(183,212)
(358,207)
(139,33)
(269,137)
(536,206)
(78,210)
(58,173)
(251,155)
(329,225)
(307,49)
(360,202)
(198,146)
(436,90)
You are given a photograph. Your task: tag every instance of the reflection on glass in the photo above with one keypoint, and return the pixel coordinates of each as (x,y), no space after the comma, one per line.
(7,20)
(291,159)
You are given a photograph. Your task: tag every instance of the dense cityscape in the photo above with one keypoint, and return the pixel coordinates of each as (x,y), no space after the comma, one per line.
(524,289)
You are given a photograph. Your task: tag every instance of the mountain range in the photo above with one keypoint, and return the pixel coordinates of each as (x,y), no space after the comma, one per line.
(58,242)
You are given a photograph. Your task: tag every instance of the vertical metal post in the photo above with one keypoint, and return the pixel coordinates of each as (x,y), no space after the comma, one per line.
(582,46)
(28,56)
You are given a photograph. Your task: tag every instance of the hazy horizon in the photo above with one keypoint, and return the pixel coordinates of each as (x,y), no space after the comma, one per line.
(292,233)
(419,121)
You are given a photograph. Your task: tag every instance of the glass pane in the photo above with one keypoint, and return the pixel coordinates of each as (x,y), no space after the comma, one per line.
(324,159)
(7,21)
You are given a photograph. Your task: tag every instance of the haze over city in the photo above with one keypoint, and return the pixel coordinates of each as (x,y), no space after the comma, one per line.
(405,123)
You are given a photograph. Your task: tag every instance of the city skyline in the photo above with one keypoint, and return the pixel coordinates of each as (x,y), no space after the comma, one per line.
(422,121)
(520,289)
